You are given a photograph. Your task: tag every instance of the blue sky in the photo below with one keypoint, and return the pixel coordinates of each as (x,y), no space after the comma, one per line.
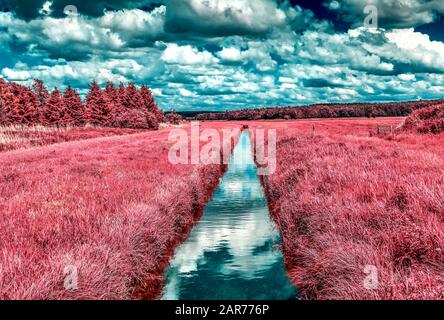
(225,54)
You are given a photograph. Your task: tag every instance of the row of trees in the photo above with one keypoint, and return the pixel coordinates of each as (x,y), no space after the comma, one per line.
(368,110)
(126,107)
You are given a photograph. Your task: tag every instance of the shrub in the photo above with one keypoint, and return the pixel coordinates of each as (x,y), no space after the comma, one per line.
(427,120)
(173,118)
(136,119)
(152,120)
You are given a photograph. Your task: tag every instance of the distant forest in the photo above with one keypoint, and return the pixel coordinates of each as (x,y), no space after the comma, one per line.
(346,110)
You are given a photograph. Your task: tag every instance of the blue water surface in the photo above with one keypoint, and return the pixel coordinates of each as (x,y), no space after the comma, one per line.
(233,252)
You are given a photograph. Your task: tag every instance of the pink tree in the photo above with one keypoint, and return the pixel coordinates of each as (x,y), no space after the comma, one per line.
(54,109)
(75,110)
(30,107)
(149,104)
(8,105)
(98,110)
(114,101)
(132,99)
(41,92)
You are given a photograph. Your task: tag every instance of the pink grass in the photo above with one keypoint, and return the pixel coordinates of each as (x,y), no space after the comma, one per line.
(343,200)
(16,137)
(112,207)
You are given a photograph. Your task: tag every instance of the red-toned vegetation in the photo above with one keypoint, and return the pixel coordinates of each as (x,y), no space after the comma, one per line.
(125,107)
(173,117)
(346,201)
(427,120)
(108,210)
(22,137)
(348,110)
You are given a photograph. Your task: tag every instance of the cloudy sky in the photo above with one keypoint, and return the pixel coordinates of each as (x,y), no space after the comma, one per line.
(230,54)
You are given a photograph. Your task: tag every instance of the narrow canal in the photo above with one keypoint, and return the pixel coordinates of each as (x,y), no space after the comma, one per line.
(232,253)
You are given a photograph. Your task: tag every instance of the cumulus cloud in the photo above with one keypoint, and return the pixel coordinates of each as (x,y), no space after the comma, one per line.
(16,75)
(224,54)
(223,17)
(186,93)
(408,49)
(230,54)
(136,25)
(391,14)
(185,55)
(407,77)
(327,48)
(31,9)
(77,37)
(80,73)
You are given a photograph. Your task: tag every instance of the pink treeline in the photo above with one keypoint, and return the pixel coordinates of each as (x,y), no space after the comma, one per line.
(122,106)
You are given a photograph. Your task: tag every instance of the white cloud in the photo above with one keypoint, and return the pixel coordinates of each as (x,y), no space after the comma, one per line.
(236,53)
(157,92)
(176,54)
(287,85)
(135,23)
(257,53)
(327,48)
(407,77)
(14,75)
(343,91)
(412,48)
(46,8)
(224,17)
(286,80)
(114,31)
(392,14)
(186,93)
(115,70)
(230,54)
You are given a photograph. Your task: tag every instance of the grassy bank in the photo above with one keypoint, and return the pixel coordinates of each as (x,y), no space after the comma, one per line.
(17,137)
(347,203)
(108,211)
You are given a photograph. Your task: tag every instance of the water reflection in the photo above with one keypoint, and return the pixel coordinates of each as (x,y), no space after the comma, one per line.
(231,253)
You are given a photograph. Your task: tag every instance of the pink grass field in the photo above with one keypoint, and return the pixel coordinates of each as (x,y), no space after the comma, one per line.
(16,137)
(114,208)
(345,201)
(110,208)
